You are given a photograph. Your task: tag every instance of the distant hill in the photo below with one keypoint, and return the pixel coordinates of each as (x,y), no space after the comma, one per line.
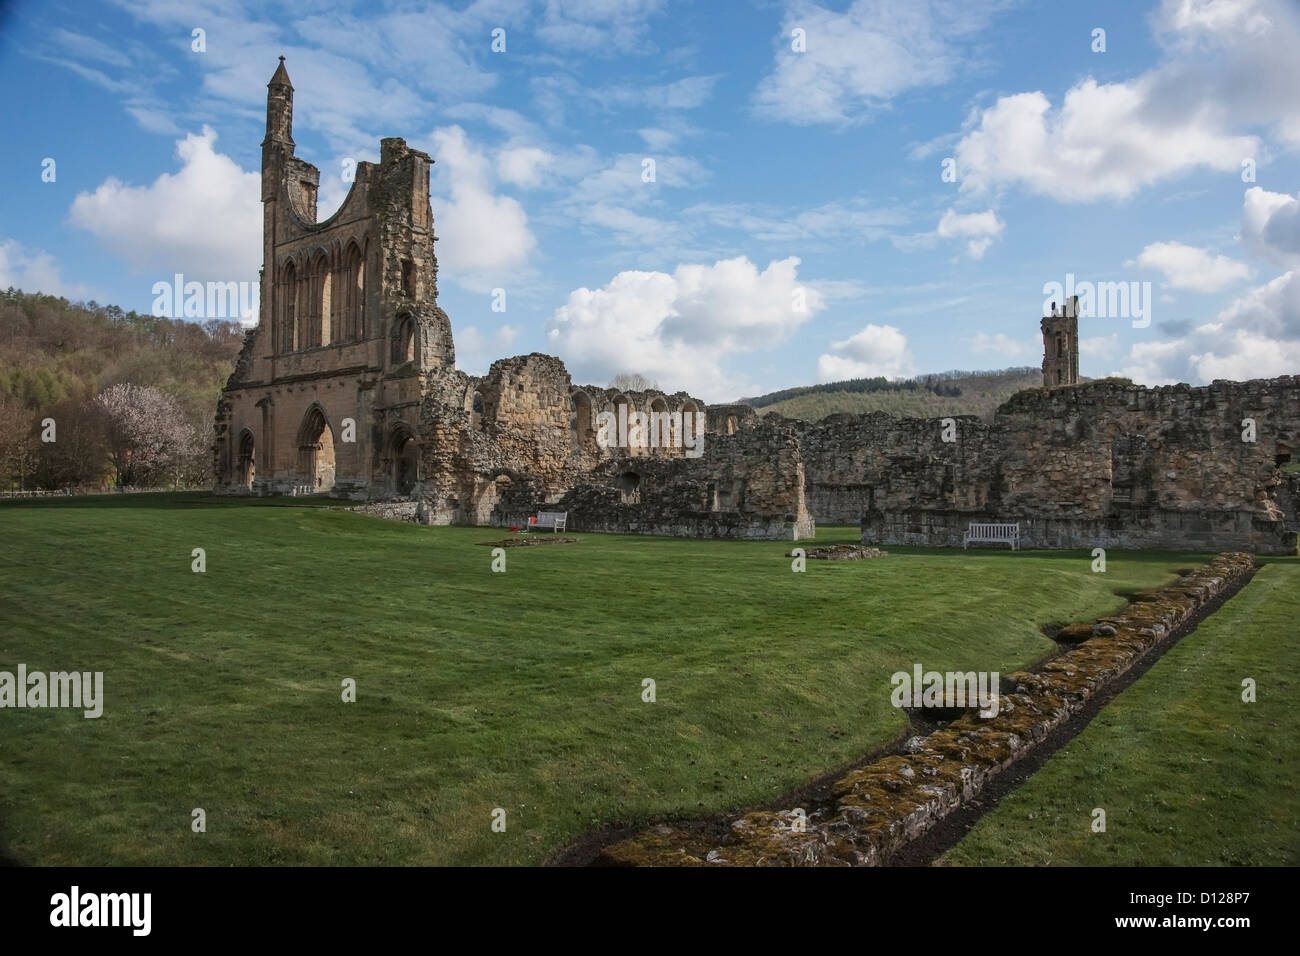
(926,396)
(53,350)
(56,355)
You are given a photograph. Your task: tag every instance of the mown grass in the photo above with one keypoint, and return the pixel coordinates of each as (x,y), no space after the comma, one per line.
(1188,774)
(475,690)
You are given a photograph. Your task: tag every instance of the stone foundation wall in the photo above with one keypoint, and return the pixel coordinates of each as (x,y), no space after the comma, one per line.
(879,808)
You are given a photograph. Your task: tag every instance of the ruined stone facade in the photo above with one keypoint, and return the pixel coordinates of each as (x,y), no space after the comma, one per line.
(348,387)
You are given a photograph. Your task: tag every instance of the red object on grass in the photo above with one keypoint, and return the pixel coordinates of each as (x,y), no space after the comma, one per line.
(514,529)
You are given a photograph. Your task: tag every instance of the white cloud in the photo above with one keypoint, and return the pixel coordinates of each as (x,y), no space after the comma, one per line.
(1003,346)
(1270,226)
(1188,267)
(839,219)
(1100,347)
(599,27)
(679,329)
(874,351)
(979,228)
(482,234)
(205,220)
(1109,140)
(858,60)
(523,165)
(1256,336)
(34,271)
(1102,143)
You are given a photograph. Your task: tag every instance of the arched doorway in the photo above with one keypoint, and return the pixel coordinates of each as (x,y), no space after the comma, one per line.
(629,487)
(582,434)
(406,460)
(316,451)
(245,470)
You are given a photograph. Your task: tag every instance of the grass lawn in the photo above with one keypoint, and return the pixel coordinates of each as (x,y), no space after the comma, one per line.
(475,690)
(1188,774)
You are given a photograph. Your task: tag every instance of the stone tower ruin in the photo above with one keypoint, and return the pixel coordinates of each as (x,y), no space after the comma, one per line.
(348,387)
(1061,344)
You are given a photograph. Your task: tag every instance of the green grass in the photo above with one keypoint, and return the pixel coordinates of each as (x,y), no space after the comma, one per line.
(1188,774)
(475,690)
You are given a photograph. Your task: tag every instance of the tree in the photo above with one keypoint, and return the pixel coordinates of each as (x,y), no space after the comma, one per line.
(17,445)
(77,455)
(145,433)
(633,382)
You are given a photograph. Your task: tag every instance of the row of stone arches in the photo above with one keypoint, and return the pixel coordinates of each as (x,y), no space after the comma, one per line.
(584,428)
(320,298)
(317,463)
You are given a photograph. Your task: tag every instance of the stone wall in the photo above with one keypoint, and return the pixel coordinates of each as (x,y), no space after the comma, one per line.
(749,484)
(1104,464)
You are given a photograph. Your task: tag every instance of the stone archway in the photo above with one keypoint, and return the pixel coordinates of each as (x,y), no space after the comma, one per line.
(316,451)
(246,467)
(582,432)
(406,460)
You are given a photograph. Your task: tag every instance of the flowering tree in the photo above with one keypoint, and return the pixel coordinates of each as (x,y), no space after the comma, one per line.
(146,433)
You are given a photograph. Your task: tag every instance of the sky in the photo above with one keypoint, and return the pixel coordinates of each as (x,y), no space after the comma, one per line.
(726,197)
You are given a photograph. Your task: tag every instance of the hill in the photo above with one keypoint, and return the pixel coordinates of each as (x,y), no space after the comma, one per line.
(55,355)
(926,396)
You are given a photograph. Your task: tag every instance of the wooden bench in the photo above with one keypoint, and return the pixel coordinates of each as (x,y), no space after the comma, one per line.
(555,520)
(992,533)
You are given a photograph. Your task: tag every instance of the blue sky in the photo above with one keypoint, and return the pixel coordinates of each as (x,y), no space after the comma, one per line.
(798,228)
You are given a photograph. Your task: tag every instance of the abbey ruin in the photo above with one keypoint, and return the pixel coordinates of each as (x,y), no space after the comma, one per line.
(348,387)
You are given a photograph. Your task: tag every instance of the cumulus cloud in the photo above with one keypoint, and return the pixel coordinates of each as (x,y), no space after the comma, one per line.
(1256,336)
(204,220)
(1188,267)
(482,234)
(1109,140)
(1106,141)
(874,351)
(523,165)
(1270,226)
(978,228)
(678,329)
(856,61)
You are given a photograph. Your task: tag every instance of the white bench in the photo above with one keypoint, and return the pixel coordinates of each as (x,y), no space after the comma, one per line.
(555,520)
(990,533)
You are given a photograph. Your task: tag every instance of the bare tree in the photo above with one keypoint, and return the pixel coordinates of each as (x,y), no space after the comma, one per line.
(17,445)
(633,382)
(77,454)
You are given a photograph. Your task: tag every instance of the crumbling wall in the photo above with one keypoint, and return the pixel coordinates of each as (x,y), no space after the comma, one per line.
(745,485)
(860,465)
(1107,464)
